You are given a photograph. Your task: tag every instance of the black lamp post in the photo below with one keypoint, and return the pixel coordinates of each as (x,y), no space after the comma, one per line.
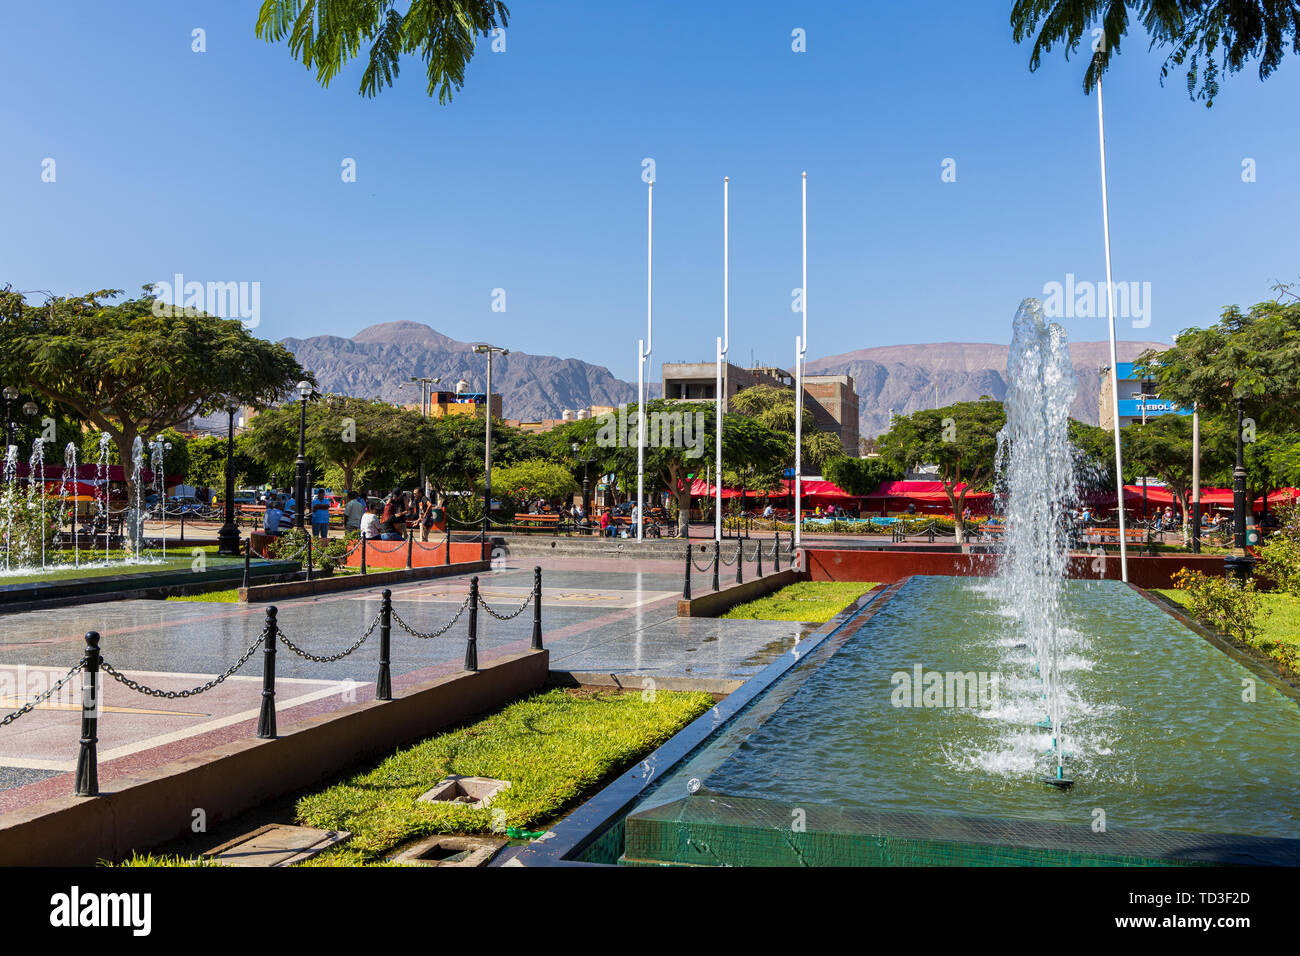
(1238,563)
(228,536)
(300,466)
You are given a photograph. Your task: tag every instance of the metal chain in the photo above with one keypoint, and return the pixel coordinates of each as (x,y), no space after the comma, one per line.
(172,694)
(31,704)
(505,617)
(335,657)
(378,550)
(440,631)
(708,563)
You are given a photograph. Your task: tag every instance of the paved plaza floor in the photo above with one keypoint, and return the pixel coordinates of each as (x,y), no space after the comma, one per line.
(614,617)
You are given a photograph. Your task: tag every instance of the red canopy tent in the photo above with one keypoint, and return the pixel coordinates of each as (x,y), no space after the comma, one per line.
(928,496)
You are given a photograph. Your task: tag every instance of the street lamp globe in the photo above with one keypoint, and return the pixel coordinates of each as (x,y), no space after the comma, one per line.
(30,408)
(10,393)
(304,390)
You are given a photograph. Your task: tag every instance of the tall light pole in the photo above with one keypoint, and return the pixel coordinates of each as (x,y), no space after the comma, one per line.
(426,401)
(643,349)
(487,446)
(300,466)
(228,536)
(800,350)
(1196,479)
(1114,368)
(724,345)
(1237,564)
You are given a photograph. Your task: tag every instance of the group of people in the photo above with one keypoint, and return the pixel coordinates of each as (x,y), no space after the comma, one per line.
(281,515)
(392,518)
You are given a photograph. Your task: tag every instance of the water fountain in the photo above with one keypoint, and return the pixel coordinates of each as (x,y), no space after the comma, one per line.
(36,489)
(70,469)
(1147,714)
(1036,468)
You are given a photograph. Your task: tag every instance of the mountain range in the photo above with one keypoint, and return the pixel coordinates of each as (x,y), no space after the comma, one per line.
(380,360)
(907,378)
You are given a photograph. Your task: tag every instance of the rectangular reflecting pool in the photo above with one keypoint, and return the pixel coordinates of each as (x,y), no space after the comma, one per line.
(913,737)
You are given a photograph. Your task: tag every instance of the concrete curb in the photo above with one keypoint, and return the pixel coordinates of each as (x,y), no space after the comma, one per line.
(714,603)
(260,593)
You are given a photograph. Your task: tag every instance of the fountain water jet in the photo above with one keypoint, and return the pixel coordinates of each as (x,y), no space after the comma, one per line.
(1036,471)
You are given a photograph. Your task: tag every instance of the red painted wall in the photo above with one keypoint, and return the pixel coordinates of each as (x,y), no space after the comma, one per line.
(886,567)
(392,554)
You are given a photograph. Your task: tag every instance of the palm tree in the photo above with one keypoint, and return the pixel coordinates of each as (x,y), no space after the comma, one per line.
(1209,36)
(329,33)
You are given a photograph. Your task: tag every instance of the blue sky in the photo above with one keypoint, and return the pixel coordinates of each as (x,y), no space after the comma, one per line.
(225,166)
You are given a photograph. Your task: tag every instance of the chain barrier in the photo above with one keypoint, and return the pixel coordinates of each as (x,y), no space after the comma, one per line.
(42,698)
(505,617)
(371,546)
(708,563)
(174,694)
(334,657)
(397,619)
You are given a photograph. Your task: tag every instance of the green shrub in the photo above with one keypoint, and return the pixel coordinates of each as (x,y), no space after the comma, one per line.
(1235,609)
(326,554)
(1279,555)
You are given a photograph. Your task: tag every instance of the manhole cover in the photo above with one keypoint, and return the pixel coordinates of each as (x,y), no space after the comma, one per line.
(276,844)
(451,851)
(471,791)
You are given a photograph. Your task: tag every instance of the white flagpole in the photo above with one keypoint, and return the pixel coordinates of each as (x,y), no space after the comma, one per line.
(644,348)
(723,345)
(800,349)
(1114,369)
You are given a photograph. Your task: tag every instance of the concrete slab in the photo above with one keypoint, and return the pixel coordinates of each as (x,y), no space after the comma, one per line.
(276,844)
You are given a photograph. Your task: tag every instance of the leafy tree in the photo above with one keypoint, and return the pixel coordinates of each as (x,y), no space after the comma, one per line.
(669,461)
(1255,355)
(452,449)
(130,370)
(962,440)
(1198,33)
(775,408)
(1162,448)
(328,33)
(345,432)
(862,476)
(207,463)
(535,478)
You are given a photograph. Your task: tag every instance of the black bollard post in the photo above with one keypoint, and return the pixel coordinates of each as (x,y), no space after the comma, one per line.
(384,683)
(446,557)
(363,554)
(471,645)
(410,544)
(740,560)
(87,780)
(537,608)
(248,554)
(759,572)
(776,553)
(266,718)
(309,556)
(686,582)
(716,556)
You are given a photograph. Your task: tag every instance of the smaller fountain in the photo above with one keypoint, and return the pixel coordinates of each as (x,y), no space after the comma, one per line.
(10,501)
(36,489)
(101,501)
(70,468)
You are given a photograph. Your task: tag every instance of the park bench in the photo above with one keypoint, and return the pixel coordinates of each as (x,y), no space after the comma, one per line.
(1105,536)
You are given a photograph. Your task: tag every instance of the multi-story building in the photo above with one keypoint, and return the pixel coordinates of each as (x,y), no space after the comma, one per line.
(834,401)
(1136,397)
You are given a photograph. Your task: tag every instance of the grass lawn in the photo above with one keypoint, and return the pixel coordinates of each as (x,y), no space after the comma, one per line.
(1280,636)
(92,565)
(556,748)
(811,601)
(230,596)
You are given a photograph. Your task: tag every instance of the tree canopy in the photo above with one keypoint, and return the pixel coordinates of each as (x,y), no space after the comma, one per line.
(132,371)
(961,440)
(1209,37)
(350,433)
(1255,355)
(326,34)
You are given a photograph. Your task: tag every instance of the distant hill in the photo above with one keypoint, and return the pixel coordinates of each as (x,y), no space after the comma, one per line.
(908,378)
(376,362)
